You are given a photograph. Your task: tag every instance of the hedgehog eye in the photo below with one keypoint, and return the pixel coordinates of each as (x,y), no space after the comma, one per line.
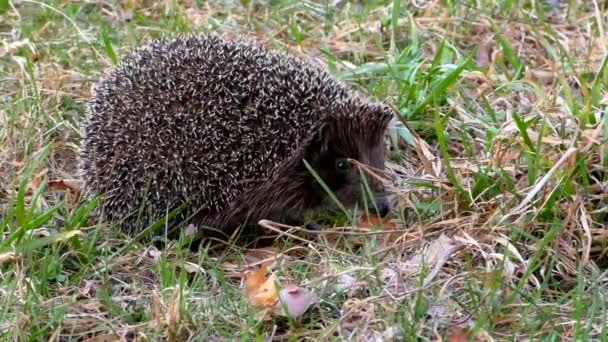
(342,164)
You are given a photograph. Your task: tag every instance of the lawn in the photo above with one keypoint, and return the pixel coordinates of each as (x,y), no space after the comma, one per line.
(498,155)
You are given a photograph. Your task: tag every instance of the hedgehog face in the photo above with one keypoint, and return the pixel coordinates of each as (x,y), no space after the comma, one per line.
(359,135)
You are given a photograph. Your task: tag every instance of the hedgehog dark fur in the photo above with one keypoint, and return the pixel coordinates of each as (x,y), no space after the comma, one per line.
(225,125)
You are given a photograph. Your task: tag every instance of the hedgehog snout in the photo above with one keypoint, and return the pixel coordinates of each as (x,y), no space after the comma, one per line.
(383,205)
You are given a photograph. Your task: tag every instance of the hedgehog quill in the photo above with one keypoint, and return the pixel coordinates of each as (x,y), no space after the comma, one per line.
(224,127)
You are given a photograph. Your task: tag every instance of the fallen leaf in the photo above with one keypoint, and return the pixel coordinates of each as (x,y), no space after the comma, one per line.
(434,257)
(261,292)
(266,295)
(254,280)
(441,248)
(7,257)
(66,184)
(374,221)
(459,336)
(295,300)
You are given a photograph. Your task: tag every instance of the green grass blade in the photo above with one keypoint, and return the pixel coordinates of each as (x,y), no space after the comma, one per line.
(449,80)
(523,131)
(20,213)
(107,44)
(443,147)
(325,187)
(4,6)
(32,245)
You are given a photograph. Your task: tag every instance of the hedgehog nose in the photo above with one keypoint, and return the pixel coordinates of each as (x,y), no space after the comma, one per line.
(383,206)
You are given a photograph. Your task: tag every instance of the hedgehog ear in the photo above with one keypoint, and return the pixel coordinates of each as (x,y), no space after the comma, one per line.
(318,143)
(382,112)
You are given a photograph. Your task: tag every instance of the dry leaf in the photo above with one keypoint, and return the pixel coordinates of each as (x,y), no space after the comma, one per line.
(261,292)
(6,257)
(66,184)
(374,221)
(266,296)
(459,336)
(254,280)
(434,257)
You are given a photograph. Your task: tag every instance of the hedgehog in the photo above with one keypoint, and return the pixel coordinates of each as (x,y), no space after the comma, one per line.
(232,131)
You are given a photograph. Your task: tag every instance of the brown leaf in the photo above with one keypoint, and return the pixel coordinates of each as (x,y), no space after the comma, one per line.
(461,335)
(73,185)
(373,221)
(266,295)
(7,257)
(434,257)
(261,292)
(254,280)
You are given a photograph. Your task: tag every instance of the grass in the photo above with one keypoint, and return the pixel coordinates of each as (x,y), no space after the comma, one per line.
(499,151)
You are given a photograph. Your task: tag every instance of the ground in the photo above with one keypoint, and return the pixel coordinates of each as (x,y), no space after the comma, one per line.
(499,165)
